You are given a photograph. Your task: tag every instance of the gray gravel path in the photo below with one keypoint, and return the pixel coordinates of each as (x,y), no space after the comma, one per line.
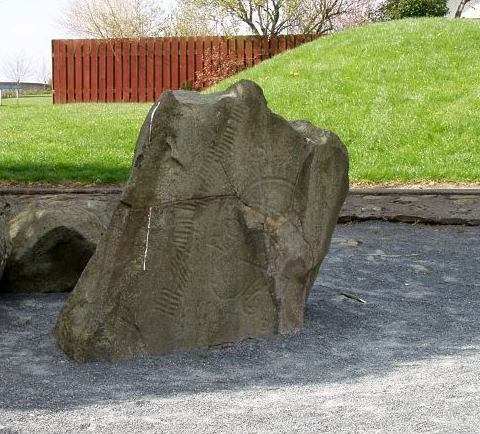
(407,361)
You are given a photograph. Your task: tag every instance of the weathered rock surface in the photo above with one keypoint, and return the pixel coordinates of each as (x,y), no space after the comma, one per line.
(220,232)
(4,237)
(51,242)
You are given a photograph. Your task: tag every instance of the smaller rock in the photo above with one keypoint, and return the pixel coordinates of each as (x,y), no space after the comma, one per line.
(421,269)
(346,242)
(52,241)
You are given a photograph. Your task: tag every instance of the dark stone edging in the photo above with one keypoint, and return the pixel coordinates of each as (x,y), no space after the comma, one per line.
(427,206)
(415,192)
(44,191)
(21,191)
(411,219)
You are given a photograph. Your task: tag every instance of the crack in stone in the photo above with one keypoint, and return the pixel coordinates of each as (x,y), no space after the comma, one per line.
(190,199)
(123,202)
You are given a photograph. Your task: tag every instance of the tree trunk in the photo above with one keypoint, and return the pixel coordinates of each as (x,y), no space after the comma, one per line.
(460,8)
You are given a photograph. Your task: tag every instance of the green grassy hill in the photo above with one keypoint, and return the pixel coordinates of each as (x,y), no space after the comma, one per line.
(404,96)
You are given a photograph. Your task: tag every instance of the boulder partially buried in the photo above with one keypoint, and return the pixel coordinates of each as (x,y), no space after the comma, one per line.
(51,242)
(219,234)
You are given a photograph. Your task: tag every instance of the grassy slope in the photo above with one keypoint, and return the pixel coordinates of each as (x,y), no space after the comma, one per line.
(403,96)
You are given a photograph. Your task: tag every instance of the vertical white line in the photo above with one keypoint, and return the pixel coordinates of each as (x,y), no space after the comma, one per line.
(151,121)
(146,240)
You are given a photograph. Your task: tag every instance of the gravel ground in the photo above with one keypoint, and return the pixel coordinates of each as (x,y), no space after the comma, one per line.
(406,361)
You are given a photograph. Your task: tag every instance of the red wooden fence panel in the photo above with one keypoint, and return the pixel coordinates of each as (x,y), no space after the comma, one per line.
(223,47)
(273,47)
(117,55)
(166,64)
(70,72)
(134,71)
(282,44)
(150,69)
(299,40)
(206,57)
(102,72)
(191,61)
(257,50)
(142,71)
(94,71)
(59,69)
(290,41)
(199,57)
(174,62)
(183,63)
(232,49)
(215,52)
(138,70)
(110,70)
(264,50)
(86,70)
(158,68)
(126,71)
(248,52)
(77,48)
(240,53)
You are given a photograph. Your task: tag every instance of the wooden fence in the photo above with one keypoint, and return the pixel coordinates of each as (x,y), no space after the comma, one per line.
(138,70)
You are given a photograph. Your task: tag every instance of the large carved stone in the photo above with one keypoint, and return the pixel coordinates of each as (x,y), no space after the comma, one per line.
(220,232)
(52,241)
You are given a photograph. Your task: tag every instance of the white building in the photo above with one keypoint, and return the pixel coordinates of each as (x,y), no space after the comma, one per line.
(472,9)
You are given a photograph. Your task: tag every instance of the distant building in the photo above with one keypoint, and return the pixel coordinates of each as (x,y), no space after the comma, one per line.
(472,9)
(24,86)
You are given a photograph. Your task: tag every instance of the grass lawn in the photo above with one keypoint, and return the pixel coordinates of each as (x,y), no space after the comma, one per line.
(40,141)
(404,97)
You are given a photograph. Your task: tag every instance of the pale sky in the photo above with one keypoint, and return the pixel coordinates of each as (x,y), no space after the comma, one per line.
(27,28)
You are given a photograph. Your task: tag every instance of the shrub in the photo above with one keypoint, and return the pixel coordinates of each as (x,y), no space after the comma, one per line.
(397,9)
(217,67)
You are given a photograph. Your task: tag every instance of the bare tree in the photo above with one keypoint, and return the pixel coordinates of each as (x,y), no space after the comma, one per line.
(17,67)
(274,17)
(460,8)
(320,16)
(356,13)
(43,72)
(193,18)
(261,17)
(113,18)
